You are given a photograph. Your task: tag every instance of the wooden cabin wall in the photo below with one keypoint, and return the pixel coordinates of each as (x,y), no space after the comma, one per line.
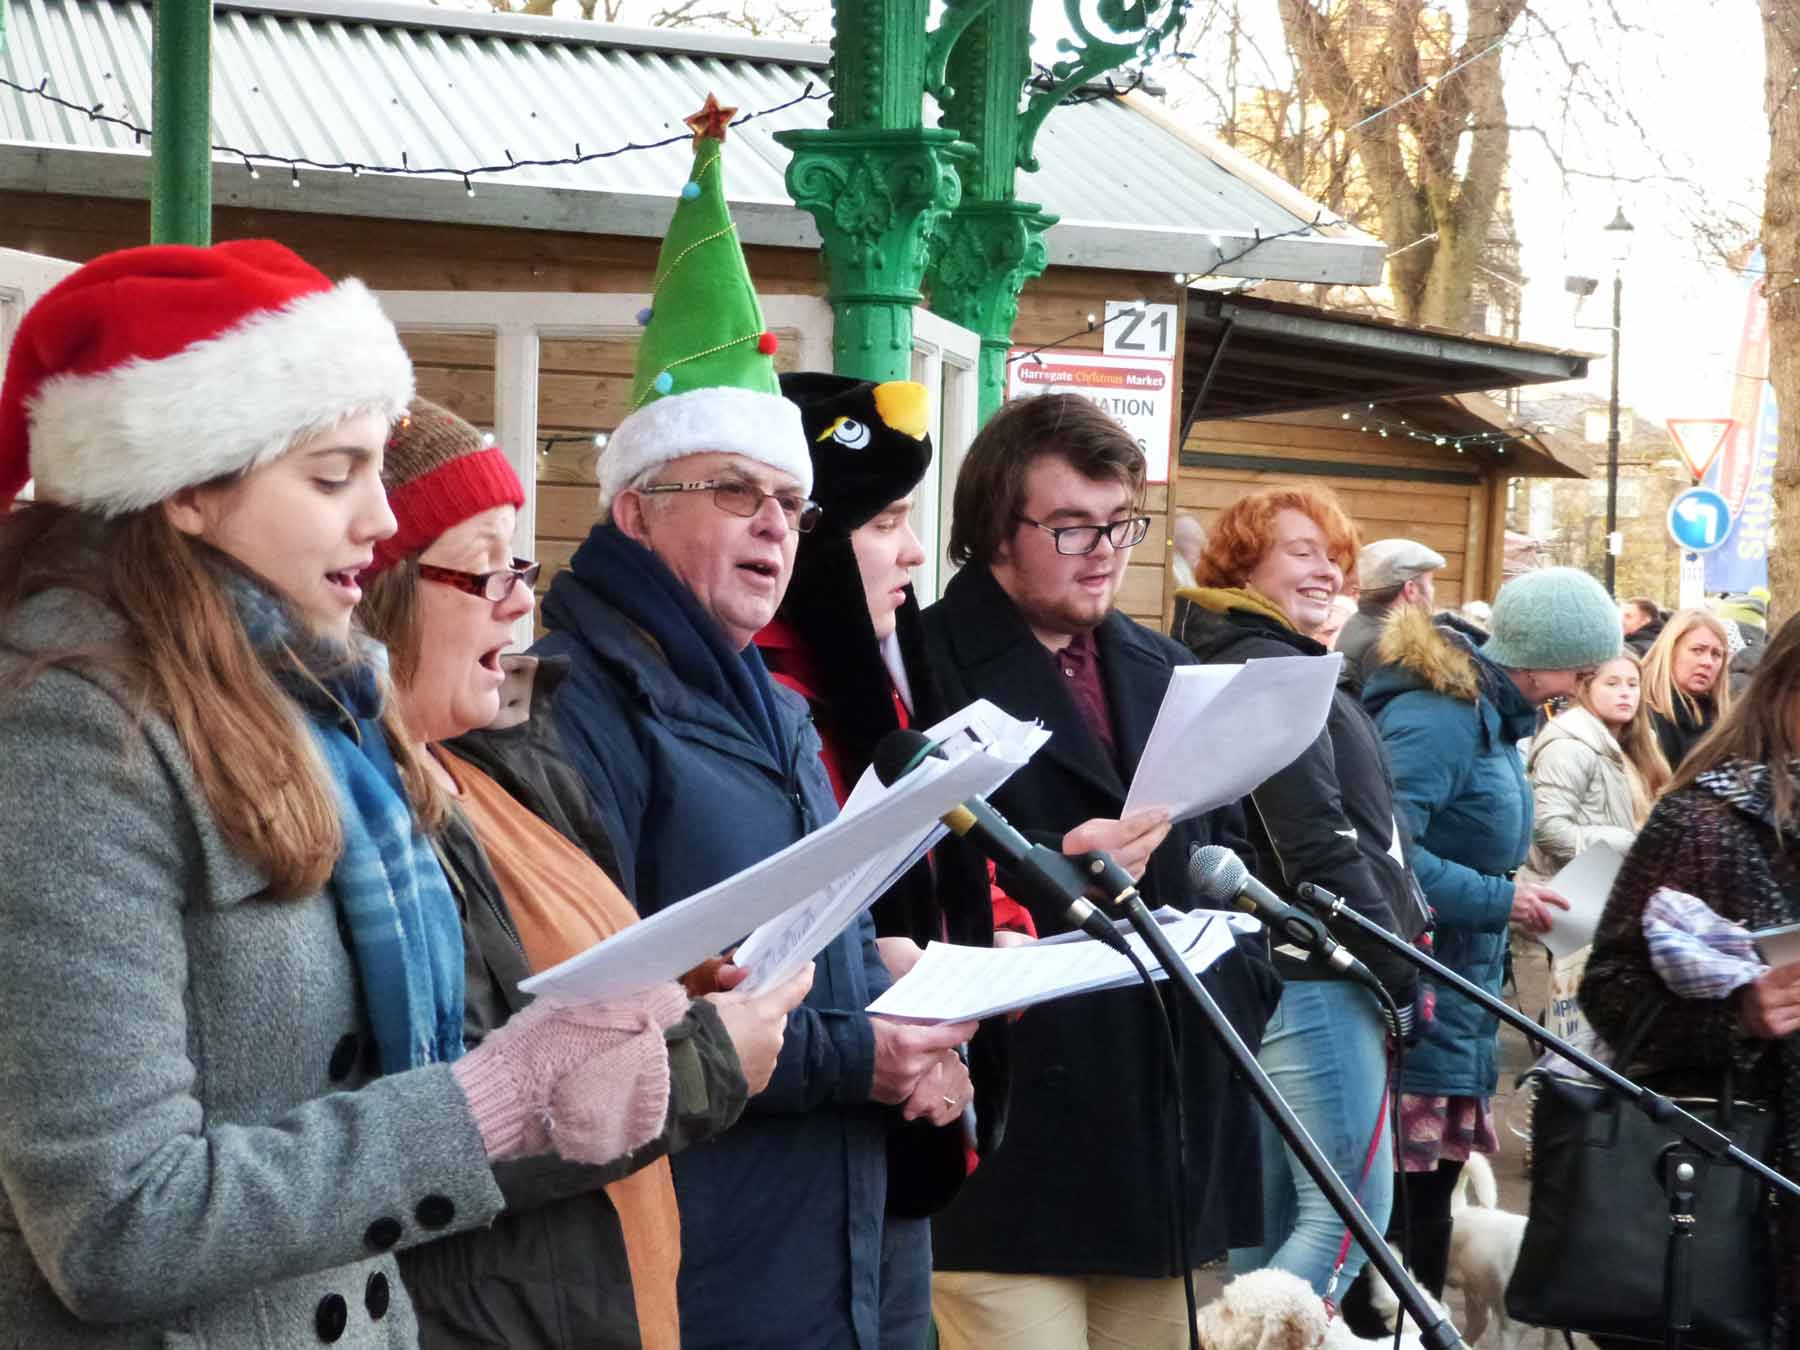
(1391,488)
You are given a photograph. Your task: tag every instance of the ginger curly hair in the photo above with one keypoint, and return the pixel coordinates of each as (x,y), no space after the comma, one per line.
(1244,531)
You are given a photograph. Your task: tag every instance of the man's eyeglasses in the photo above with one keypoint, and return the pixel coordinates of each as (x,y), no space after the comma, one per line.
(739,498)
(1076,540)
(494,586)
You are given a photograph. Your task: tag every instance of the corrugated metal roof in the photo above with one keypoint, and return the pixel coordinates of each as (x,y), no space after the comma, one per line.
(370,82)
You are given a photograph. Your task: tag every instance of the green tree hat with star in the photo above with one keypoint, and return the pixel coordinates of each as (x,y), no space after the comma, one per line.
(705,375)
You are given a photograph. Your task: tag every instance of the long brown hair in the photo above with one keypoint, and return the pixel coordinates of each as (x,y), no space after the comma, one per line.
(1637,738)
(1763,727)
(184,656)
(1660,689)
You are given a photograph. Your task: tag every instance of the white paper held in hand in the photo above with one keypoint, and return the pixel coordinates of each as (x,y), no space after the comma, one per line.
(1222,730)
(783,944)
(1584,883)
(834,873)
(956,984)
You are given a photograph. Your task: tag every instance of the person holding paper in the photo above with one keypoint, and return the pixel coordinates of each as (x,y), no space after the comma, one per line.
(1273,565)
(1451,717)
(1723,833)
(1595,769)
(233,1080)
(701,765)
(1069,1231)
(527,855)
(846,639)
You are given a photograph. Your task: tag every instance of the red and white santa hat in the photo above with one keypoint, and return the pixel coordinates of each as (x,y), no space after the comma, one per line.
(154,369)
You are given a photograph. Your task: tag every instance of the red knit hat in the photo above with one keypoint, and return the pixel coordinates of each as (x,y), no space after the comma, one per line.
(153,369)
(438,470)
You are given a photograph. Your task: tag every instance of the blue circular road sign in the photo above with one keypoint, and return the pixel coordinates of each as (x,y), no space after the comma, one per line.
(1699,520)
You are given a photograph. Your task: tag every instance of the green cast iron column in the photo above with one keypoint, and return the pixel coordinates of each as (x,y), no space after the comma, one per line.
(181,119)
(993,244)
(877,182)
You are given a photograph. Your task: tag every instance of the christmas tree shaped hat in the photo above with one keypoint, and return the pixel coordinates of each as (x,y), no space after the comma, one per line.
(705,377)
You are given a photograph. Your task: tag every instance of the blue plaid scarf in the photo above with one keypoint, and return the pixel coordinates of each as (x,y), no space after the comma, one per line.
(405,934)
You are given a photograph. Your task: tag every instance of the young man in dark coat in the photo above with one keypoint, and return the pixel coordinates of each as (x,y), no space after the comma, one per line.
(1071,1227)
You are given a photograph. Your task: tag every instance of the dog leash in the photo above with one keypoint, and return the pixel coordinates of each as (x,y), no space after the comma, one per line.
(1343,1251)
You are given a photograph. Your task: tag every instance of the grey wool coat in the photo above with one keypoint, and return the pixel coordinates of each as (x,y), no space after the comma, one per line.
(192,1155)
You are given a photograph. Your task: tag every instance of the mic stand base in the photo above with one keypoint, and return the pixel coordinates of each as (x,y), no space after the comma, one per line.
(1436,1332)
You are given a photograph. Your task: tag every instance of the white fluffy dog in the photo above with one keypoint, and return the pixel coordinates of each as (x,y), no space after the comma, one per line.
(1273,1310)
(1484,1248)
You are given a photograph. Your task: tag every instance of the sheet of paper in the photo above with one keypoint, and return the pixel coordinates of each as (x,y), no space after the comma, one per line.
(782,945)
(954,984)
(1584,883)
(1222,730)
(890,821)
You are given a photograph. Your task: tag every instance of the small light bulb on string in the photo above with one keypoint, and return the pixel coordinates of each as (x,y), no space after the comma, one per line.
(600,439)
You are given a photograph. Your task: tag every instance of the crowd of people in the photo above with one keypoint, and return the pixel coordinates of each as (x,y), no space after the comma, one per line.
(292,824)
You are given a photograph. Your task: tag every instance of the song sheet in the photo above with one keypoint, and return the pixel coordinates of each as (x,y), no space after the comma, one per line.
(819,884)
(1223,729)
(1584,883)
(951,983)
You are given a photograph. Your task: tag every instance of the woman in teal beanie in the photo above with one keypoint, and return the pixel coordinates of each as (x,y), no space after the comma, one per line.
(1451,717)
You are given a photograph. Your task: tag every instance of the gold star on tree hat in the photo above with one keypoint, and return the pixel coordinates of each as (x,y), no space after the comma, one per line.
(705,374)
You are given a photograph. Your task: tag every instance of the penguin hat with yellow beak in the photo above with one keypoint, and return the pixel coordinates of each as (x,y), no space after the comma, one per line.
(869,442)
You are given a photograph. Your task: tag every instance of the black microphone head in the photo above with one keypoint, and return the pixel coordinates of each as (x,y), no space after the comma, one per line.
(1216,874)
(898,753)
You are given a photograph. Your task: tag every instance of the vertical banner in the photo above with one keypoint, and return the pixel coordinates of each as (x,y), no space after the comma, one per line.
(1744,473)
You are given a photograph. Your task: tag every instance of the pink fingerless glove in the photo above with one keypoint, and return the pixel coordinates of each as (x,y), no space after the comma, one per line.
(590,1082)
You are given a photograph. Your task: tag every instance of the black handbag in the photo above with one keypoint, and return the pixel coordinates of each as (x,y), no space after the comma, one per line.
(1596,1238)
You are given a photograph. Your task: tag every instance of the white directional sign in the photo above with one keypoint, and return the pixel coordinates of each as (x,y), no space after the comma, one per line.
(1134,328)
(1699,520)
(1700,439)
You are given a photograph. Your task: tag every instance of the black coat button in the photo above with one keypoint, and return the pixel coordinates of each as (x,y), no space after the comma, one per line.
(375,1297)
(344,1056)
(435,1211)
(332,1317)
(383,1234)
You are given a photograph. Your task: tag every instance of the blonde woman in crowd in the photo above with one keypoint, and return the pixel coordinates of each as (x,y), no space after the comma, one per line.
(1596,769)
(1684,681)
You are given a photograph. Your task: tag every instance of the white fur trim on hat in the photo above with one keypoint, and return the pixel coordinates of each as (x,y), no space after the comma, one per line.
(122,439)
(723,419)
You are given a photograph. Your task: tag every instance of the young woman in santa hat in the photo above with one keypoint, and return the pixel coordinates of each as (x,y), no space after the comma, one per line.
(232,1079)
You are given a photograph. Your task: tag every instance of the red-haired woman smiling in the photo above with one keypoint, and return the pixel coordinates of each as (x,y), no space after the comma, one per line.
(1273,565)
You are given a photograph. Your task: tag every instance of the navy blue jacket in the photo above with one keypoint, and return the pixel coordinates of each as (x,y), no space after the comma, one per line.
(1451,722)
(781,1216)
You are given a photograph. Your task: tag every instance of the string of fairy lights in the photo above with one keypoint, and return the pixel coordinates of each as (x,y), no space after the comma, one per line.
(256,160)
(1368,420)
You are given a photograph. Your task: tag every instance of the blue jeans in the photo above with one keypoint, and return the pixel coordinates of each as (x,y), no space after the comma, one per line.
(1325,1050)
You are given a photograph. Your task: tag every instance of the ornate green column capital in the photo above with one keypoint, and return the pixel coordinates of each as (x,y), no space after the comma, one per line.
(981,259)
(878,197)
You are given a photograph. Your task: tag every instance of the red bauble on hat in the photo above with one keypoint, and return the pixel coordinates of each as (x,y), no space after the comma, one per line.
(154,369)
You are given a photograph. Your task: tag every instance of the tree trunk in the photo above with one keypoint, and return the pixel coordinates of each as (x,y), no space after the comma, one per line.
(1781,253)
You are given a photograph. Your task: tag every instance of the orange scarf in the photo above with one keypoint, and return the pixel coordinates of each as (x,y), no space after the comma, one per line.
(562,903)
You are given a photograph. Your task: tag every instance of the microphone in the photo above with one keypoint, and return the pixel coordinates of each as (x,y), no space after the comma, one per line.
(1030,870)
(1219,876)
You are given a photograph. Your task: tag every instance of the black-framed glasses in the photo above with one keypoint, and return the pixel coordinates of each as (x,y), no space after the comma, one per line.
(1076,540)
(494,586)
(739,498)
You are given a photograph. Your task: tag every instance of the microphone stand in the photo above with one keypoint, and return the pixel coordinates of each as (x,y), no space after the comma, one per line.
(1435,1330)
(1699,1141)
